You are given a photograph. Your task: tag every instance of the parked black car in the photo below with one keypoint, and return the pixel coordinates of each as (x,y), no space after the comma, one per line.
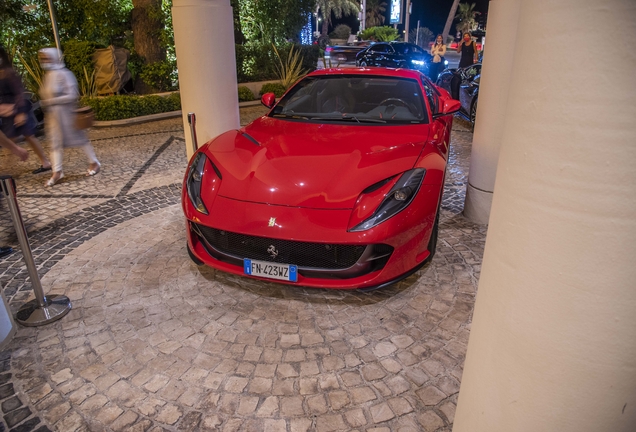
(395,55)
(463,85)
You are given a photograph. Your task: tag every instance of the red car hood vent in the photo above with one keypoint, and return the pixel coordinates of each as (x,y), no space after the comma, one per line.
(320,166)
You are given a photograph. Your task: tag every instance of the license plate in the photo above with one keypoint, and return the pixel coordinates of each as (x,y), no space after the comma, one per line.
(270,270)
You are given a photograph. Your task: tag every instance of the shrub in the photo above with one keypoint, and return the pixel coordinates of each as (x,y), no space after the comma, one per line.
(245,94)
(161,76)
(342,31)
(258,62)
(123,106)
(380,33)
(79,55)
(277,88)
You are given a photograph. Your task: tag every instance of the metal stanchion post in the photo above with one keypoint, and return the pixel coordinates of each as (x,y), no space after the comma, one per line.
(192,121)
(43,309)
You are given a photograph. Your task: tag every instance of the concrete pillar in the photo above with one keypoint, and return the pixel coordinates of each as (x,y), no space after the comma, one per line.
(7,324)
(204,42)
(494,85)
(553,340)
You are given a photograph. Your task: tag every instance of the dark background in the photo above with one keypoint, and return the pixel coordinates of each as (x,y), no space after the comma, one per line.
(431,13)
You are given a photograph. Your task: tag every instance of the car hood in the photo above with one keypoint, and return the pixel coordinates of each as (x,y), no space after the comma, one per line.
(311,165)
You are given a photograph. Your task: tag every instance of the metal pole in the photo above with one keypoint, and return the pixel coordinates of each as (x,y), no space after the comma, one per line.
(406,20)
(192,121)
(42,310)
(363,21)
(417,32)
(56,35)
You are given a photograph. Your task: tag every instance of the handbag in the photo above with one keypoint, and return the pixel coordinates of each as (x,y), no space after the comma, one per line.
(84,117)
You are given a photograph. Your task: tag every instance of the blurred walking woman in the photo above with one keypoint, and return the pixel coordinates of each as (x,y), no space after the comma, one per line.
(468,48)
(59,96)
(438,51)
(16,116)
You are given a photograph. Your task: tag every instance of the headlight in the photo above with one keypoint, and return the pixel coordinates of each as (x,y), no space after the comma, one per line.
(193,184)
(445,62)
(418,62)
(396,200)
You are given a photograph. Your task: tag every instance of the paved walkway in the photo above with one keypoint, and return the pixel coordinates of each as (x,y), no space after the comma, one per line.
(154,343)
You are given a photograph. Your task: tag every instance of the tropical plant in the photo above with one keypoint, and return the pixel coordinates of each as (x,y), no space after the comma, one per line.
(342,31)
(273,21)
(337,8)
(449,20)
(290,70)
(423,36)
(88,85)
(34,72)
(375,13)
(466,15)
(381,34)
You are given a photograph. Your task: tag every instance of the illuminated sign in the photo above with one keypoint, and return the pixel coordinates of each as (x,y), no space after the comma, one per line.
(396,12)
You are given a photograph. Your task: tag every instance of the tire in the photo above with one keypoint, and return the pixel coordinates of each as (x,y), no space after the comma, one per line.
(432,242)
(473,112)
(363,63)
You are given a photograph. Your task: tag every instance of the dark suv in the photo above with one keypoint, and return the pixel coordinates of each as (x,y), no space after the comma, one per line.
(394,55)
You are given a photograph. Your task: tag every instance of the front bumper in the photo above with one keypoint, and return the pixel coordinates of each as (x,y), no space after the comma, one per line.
(407,234)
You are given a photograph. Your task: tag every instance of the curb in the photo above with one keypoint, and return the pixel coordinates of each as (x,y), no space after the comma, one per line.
(153,117)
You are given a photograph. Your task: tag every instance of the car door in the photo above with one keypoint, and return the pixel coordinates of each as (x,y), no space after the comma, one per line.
(469,87)
(377,54)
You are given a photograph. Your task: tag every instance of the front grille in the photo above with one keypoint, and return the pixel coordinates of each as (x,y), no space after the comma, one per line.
(302,254)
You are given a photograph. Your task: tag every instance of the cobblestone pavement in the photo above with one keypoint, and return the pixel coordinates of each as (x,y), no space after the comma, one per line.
(154,343)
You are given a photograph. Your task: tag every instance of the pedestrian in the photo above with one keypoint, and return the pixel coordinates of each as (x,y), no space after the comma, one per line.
(23,155)
(468,48)
(59,94)
(438,50)
(16,114)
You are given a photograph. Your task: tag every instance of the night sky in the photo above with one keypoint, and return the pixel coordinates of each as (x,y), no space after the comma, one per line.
(431,13)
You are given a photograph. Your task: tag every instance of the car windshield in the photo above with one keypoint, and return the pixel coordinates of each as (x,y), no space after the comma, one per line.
(404,48)
(355,99)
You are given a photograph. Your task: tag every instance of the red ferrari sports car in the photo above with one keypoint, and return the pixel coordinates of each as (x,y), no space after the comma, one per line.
(338,186)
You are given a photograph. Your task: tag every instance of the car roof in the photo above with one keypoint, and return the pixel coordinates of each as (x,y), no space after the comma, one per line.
(373,71)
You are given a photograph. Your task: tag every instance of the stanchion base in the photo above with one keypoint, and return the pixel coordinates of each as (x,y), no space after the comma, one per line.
(32,315)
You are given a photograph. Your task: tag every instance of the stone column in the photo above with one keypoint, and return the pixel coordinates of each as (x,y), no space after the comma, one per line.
(503,17)
(204,42)
(553,340)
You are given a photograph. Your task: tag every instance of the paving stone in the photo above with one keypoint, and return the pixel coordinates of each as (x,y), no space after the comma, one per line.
(430,421)
(124,421)
(11,404)
(355,417)
(359,395)
(291,406)
(170,414)
(16,416)
(329,423)
(430,395)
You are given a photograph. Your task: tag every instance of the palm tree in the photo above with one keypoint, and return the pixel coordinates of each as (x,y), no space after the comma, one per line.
(375,12)
(449,20)
(338,8)
(466,15)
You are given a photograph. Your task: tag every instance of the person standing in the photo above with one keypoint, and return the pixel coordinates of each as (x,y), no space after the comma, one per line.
(438,51)
(468,48)
(16,116)
(59,94)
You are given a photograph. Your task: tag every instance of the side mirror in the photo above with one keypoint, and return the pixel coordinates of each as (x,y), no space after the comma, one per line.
(449,106)
(268,99)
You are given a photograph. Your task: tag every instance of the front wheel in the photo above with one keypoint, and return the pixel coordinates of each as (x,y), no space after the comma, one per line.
(473,112)
(432,242)
(363,63)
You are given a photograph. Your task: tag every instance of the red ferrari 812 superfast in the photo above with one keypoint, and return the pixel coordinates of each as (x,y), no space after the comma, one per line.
(338,186)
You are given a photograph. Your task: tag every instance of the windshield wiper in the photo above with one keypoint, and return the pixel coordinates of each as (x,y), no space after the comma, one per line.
(349,117)
(292,116)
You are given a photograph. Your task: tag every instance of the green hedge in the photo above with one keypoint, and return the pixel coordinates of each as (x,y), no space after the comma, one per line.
(122,106)
(258,62)
(277,88)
